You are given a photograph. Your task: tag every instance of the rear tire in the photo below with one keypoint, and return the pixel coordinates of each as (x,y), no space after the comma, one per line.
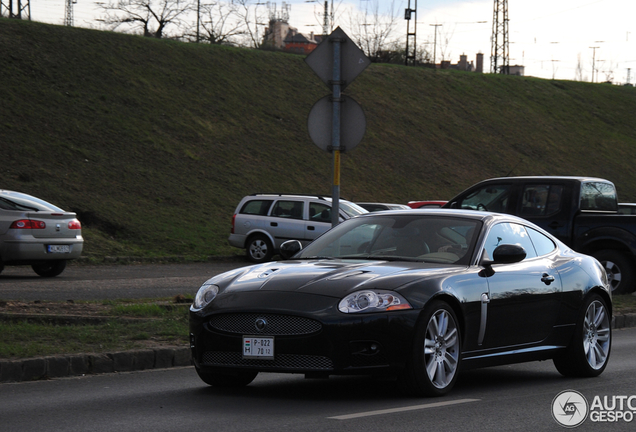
(589,351)
(434,365)
(619,270)
(230,378)
(49,268)
(259,249)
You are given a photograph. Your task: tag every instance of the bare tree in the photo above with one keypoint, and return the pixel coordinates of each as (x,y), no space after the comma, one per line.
(395,52)
(151,16)
(372,29)
(578,72)
(251,17)
(219,24)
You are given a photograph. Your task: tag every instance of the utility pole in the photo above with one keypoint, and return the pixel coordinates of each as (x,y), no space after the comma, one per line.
(593,61)
(68,13)
(435,45)
(198,20)
(23,10)
(499,53)
(411,50)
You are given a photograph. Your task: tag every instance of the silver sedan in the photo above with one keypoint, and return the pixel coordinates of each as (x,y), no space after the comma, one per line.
(37,233)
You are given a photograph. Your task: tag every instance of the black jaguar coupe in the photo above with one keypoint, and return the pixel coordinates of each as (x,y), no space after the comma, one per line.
(417,294)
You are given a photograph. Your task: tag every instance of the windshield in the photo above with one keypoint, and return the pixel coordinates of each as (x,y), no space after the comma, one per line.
(425,238)
(351,209)
(23,202)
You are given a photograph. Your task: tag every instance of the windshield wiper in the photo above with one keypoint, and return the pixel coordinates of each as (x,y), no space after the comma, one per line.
(317,257)
(381,258)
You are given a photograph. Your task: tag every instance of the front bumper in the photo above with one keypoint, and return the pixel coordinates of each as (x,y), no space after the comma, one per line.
(311,337)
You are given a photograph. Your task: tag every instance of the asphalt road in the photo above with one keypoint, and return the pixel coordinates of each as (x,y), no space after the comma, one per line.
(509,398)
(82,282)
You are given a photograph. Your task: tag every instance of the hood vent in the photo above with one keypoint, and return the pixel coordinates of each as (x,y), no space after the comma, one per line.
(267,273)
(348,274)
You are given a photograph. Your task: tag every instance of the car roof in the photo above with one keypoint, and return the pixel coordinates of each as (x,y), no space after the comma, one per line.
(291,195)
(468,214)
(544,178)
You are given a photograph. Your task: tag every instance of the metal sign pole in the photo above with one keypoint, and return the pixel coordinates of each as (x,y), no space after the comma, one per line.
(335,131)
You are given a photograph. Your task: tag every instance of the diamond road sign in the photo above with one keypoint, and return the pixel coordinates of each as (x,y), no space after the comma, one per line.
(353,61)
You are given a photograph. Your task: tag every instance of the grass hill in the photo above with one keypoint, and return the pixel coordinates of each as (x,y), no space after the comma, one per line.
(154,142)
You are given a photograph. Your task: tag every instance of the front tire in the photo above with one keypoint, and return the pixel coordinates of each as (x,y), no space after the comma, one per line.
(434,365)
(230,378)
(49,268)
(259,249)
(589,351)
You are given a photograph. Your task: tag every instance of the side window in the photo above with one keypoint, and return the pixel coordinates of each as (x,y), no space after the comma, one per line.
(288,209)
(492,198)
(256,207)
(598,196)
(509,233)
(319,212)
(541,200)
(542,244)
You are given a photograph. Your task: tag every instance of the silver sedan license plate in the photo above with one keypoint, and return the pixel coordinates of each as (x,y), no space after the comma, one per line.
(59,249)
(258,347)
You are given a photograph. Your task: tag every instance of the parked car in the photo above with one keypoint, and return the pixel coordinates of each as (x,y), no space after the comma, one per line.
(416,294)
(369,206)
(37,233)
(426,204)
(627,208)
(262,222)
(582,212)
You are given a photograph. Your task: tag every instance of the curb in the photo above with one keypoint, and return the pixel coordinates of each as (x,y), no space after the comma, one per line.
(40,368)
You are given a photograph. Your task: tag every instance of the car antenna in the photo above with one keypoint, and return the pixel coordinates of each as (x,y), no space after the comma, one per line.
(513,168)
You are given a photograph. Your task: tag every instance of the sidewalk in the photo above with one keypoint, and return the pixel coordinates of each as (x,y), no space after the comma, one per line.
(86,364)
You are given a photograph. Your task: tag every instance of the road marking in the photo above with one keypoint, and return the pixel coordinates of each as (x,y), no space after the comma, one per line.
(396,410)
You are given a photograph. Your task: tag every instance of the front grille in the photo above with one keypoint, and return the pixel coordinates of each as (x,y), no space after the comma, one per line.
(282,361)
(277,325)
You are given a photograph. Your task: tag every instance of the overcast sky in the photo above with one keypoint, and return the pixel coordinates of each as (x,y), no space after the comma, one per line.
(551,38)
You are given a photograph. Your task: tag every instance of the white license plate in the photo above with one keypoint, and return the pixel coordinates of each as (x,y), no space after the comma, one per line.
(258,347)
(59,248)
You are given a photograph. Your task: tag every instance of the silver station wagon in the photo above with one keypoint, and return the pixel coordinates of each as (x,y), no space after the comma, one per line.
(262,222)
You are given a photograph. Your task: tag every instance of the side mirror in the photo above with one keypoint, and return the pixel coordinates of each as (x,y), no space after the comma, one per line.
(290,248)
(503,254)
(508,254)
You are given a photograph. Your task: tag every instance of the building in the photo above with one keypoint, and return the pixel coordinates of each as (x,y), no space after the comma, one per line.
(281,36)
(299,43)
(464,65)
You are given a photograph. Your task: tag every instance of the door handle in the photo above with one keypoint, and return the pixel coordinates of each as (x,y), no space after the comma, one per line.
(311,228)
(555,225)
(547,279)
(274,224)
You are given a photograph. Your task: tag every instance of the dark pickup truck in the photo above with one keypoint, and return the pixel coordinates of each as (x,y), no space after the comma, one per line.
(582,212)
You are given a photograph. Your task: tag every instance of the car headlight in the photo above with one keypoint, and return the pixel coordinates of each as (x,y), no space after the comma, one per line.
(372,301)
(205,295)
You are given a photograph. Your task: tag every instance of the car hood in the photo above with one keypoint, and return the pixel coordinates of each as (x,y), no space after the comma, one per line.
(332,278)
